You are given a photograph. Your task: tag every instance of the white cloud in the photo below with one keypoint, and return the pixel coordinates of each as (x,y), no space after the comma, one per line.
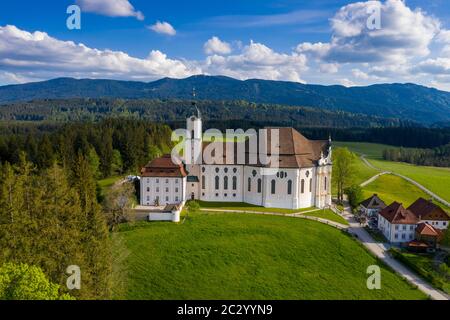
(36,55)
(318,49)
(163,28)
(22,52)
(215,45)
(404,34)
(439,66)
(346,82)
(258,61)
(329,68)
(360,74)
(110,8)
(12,78)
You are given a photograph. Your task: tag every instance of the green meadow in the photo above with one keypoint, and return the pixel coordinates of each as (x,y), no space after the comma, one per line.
(433,178)
(246,256)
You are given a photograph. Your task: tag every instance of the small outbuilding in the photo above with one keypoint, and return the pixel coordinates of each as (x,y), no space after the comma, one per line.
(372,206)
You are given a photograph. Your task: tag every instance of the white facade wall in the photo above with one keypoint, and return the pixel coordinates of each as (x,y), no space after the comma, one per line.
(307,197)
(279,197)
(396,233)
(167,190)
(261,196)
(253,196)
(442,225)
(208,190)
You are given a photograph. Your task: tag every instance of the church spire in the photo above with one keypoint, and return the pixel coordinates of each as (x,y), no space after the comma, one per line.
(194,102)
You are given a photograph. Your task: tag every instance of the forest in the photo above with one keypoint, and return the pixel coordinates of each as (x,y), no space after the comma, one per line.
(176,110)
(112,146)
(52,214)
(438,157)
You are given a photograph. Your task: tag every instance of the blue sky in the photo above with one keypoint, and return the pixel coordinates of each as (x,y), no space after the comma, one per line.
(320,41)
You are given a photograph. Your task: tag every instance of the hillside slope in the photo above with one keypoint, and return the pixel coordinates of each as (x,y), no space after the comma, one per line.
(404,101)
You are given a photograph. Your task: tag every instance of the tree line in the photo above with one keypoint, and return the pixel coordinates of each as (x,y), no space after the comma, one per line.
(65,110)
(111,146)
(438,157)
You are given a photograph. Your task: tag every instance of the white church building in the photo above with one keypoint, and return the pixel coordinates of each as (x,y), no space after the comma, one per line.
(302,180)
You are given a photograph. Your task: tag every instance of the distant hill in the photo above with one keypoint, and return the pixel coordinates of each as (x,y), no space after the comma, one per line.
(403,101)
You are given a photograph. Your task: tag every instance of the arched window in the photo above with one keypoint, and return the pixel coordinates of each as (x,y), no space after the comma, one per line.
(225,183)
(273,186)
(203,182)
(234,183)
(325,184)
(249,185)
(289,187)
(310,185)
(217,182)
(259,185)
(302,186)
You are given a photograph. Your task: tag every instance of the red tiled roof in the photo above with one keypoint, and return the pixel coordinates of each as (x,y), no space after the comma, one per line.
(163,167)
(395,213)
(295,151)
(424,229)
(427,210)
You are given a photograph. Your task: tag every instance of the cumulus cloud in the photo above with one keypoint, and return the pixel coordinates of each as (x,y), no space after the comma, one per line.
(36,55)
(110,8)
(329,68)
(438,66)
(163,28)
(39,54)
(404,34)
(258,61)
(215,45)
(346,82)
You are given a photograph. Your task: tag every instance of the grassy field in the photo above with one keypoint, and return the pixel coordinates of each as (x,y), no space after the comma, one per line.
(246,207)
(432,178)
(327,214)
(392,188)
(242,256)
(371,150)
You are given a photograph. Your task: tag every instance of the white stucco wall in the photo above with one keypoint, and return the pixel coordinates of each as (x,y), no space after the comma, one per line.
(437,224)
(396,233)
(208,192)
(169,190)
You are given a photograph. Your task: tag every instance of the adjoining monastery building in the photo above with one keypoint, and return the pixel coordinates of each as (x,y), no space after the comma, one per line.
(303,178)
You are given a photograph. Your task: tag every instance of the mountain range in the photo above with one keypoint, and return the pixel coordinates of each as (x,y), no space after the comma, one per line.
(403,101)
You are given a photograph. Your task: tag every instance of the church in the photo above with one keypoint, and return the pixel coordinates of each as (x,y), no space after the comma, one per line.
(301,179)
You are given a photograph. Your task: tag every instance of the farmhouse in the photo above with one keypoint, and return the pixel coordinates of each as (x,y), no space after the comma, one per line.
(301,179)
(372,206)
(397,224)
(428,212)
(423,221)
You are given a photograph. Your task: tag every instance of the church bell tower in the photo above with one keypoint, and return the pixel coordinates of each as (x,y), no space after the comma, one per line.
(194,141)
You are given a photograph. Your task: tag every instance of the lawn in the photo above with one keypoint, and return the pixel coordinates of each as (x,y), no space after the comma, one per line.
(432,178)
(371,150)
(327,214)
(242,256)
(246,207)
(391,188)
